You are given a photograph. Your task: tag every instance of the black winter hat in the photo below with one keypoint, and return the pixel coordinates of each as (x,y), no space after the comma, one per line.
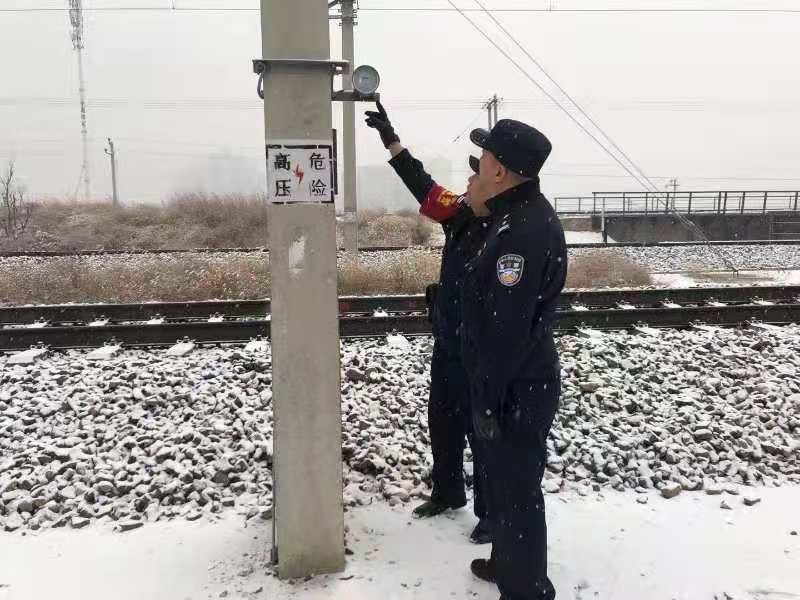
(518,147)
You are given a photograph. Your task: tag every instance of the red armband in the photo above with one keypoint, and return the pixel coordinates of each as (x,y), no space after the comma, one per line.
(440,204)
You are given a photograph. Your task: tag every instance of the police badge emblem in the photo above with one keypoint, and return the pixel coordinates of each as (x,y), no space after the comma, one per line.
(509,269)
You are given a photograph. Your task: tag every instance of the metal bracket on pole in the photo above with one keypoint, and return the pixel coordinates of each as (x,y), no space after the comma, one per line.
(262,65)
(336,67)
(353,96)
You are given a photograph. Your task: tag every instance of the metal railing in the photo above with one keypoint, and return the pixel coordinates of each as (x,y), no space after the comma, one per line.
(646,203)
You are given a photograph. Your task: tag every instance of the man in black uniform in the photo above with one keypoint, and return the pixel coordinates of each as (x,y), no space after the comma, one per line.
(509,298)
(449,414)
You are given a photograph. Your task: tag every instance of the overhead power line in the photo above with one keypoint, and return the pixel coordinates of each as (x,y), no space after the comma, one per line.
(676,105)
(541,88)
(213,103)
(469,125)
(589,10)
(631,168)
(564,92)
(425,9)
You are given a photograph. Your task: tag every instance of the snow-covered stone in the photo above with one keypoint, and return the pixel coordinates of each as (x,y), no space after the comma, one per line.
(146,437)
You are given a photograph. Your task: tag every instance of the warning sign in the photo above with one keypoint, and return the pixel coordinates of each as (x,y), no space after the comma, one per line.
(300,171)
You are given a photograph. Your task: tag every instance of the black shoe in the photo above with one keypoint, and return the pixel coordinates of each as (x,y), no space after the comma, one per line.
(432,508)
(483,569)
(482,534)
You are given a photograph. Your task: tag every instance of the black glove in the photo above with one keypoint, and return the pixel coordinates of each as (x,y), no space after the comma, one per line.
(431,292)
(380,121)
(486,427)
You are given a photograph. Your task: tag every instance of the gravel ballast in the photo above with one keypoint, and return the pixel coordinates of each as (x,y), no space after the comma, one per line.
(696,257)
(144,437)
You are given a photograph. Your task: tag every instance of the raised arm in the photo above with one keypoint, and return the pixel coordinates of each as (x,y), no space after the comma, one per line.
(436,202)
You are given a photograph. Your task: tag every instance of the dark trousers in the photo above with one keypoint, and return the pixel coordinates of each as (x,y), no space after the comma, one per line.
(513,470)
(449,423)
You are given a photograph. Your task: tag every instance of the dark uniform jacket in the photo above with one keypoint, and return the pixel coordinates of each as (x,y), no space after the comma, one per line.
(509,297)
(464,234)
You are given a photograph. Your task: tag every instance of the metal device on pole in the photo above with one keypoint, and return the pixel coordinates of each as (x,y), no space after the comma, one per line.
(296,82)
(348,13)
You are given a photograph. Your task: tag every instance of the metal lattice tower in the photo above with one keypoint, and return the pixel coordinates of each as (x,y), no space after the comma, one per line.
(76,20)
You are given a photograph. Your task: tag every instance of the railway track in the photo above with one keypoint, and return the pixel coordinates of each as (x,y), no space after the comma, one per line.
(71,314)
(372,249)
(162,324)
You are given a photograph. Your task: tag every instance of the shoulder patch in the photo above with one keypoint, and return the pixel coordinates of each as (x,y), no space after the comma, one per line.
(509,269)
(447,198)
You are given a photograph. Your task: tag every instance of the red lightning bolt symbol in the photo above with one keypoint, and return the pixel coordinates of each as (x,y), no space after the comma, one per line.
(299,174)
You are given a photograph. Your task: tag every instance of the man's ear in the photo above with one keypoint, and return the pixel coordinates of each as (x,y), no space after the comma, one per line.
(500,173)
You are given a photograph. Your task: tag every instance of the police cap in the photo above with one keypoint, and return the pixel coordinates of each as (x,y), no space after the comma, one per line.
(517,146)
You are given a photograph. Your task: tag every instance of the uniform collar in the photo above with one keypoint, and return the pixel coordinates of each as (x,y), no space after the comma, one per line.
(500,203)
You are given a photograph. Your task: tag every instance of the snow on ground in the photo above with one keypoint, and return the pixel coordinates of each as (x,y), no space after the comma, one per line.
(144,260)
(585,237)
(748,278)
(150,477)
(707,258)
(605,547)
(666,259)
(573,237)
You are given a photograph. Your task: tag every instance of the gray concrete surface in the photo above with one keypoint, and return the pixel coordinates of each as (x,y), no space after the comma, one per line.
(305,335)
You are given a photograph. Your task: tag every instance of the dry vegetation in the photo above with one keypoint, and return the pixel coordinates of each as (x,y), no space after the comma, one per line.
(406,272)
(242,276)
(404,228)
(605,268)
(187,278)
(184,222)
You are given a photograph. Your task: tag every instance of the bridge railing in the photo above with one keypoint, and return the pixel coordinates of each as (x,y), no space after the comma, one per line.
(717,202)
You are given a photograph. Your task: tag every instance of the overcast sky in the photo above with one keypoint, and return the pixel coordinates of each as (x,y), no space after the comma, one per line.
(710,98)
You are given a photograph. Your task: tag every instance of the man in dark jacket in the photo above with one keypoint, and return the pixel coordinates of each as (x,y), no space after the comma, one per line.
(449,414)
(509,298)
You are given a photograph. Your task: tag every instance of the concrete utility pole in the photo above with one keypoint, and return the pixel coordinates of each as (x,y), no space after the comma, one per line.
(491,107)
(76,20)
(307,464)
(349,133)
(112,155)
(673,183)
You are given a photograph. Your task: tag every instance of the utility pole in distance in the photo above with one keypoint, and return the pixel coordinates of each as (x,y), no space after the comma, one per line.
(491,107)
(113,156)
(673,183)
(349,133)
(76,20)
(307,465)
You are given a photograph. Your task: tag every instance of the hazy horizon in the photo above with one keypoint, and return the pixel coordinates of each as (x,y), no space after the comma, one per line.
(710,98)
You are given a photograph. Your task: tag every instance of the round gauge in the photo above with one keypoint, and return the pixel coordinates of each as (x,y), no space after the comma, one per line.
(366,80)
